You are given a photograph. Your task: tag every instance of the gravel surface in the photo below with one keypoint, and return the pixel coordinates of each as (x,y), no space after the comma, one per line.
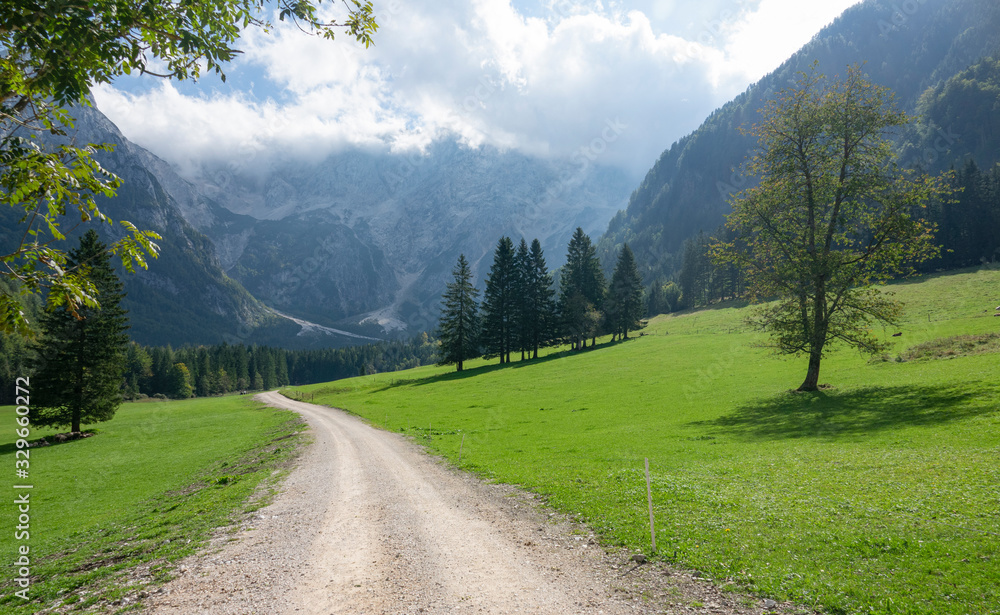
(368,523)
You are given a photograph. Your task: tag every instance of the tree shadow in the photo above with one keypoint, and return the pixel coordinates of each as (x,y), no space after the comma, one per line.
(515,364)
(10,447)
(833,415)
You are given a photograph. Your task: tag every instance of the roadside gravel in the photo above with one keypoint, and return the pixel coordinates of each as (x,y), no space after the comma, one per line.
(368,523)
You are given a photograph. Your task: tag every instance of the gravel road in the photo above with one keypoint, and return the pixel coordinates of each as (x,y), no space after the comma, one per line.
(368,523)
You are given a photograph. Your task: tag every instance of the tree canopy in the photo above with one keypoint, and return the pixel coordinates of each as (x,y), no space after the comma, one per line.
(54,53)
(830,217)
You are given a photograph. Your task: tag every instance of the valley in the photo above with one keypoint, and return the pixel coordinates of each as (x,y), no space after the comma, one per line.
(304,361)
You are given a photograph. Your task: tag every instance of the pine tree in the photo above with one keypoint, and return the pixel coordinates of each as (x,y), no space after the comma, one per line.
(539,317)
(80,357)
(499,305)
(624,304)
(582,291)
(523,275)
(458,329)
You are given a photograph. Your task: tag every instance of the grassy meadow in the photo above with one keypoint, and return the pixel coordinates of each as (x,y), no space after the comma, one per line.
(147,490)
(878,495)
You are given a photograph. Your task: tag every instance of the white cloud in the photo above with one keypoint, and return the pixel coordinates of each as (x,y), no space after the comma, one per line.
(548,81)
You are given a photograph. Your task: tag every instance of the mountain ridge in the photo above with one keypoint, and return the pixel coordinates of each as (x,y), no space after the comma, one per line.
(686,189)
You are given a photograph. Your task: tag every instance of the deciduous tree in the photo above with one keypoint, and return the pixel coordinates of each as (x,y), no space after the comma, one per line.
(830,217)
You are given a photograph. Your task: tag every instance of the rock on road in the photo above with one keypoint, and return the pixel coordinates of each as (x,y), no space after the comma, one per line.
(369,523)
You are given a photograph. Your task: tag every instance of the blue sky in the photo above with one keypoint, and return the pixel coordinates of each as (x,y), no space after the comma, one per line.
(619,79)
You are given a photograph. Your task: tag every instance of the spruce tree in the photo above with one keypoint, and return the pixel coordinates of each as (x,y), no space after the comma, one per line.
(624,304)
(582,290)
(523,280)
(499,305)
(540,317)
(80,356)
(458,329)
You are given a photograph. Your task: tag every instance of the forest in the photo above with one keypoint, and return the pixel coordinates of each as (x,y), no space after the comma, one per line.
(968,233)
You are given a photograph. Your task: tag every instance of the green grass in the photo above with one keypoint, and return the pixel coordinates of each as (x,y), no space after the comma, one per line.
(148,489)
(878,495)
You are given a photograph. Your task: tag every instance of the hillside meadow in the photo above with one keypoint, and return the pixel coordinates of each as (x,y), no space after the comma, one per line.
(879,494)
(146,490)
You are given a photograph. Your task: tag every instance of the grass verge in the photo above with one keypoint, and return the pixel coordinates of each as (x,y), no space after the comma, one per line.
(110,514)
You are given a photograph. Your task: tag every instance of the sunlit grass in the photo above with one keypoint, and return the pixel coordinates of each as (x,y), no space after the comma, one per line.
(878,495)
(148,488)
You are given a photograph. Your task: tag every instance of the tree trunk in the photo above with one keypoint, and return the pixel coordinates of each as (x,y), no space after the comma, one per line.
(76,420)
(811,382)
(459,366)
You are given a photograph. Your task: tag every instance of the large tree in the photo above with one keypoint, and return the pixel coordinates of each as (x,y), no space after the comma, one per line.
(624,302)
(458,330)
(831,216)
(500,303)
(581,290)
(53,53)
(80,356)
(522,279)
(538,313)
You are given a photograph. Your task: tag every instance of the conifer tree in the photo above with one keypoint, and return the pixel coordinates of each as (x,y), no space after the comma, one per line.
(499,304)
(539,310)
(80,357)
(458,329)
(624,304)
(522,283)
(582,291)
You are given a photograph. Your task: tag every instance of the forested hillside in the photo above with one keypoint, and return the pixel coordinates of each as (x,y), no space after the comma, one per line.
(924,53)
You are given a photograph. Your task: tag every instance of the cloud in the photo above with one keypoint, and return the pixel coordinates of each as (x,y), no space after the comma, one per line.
(545,78)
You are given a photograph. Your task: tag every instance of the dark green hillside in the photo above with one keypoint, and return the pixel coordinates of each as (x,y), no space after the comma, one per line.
(960,117)
(907,50)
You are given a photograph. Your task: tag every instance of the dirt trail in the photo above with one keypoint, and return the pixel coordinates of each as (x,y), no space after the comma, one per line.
(368,523)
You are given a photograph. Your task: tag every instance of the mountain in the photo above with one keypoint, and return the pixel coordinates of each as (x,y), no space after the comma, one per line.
(340,251)
(917,49)
(365,241)
(184,297)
